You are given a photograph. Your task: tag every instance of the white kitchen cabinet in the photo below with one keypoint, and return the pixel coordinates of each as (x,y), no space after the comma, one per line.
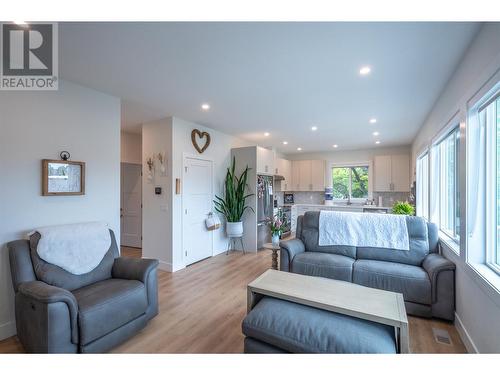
(400,173)
(295,186)
(305,175)
(318,175)
(392,173)
(308,175)
(283,168)
(265,161)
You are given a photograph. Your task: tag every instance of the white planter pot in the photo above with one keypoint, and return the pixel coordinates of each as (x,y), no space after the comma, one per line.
(234,229)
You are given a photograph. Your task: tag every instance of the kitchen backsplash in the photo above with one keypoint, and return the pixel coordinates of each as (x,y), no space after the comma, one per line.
(389,198)
(316,197)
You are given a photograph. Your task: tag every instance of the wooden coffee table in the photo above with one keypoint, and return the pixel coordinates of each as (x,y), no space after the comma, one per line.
(341,297)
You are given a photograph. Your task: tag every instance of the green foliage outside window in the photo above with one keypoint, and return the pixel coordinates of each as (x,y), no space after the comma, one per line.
(350,182)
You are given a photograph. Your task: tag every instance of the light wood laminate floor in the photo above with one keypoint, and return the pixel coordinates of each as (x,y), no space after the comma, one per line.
(202,306)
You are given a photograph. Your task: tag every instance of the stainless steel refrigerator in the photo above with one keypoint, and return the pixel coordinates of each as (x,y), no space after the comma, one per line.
(265,208)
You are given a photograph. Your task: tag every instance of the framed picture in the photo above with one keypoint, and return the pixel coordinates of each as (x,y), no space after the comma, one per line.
(63,177)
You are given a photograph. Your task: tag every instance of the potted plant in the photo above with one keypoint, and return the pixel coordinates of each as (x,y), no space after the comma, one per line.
(233,204)
(403,208)
(277,225)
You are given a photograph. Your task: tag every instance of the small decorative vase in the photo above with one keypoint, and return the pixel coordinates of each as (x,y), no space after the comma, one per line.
(276,239)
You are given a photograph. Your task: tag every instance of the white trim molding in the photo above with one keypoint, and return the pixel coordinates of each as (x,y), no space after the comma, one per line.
(464,335)
(7,329)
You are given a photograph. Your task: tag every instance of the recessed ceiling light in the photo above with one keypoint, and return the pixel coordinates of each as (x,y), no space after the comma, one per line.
(314,128)
(335,146)
(299,148)
(376,133)
(373,120)
(377,142)
(21,23)
(285,142)
(266,134)
(205,106)
(365,70)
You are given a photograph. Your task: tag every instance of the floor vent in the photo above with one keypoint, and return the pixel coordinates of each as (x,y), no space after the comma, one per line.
(442,336)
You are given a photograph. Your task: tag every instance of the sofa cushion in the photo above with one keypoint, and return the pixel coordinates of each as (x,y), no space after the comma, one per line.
(56,276)
(418,235)
(108,305)
(333,266)
(302,329)
(309,235)
(412,281)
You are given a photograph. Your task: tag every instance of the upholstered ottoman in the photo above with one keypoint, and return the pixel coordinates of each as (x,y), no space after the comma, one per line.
(279,326)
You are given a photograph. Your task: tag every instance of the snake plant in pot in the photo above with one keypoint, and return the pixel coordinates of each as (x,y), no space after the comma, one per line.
(233,204)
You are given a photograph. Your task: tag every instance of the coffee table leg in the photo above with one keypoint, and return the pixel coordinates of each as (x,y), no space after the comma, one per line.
(404,339)
(274,263)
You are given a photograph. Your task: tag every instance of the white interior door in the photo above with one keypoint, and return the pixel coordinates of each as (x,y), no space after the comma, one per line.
(131,205)
(197,203)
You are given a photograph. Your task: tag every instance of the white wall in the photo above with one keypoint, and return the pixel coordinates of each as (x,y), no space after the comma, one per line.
(477,305)
(131,148)
(157,209)
(162,215)
(36,126)
(220,152)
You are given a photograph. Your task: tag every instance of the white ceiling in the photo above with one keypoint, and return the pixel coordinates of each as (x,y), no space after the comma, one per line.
(280,78)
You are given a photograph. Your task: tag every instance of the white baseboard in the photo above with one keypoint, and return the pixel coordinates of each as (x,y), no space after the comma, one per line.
(464,335)
(7,329)
(169,267)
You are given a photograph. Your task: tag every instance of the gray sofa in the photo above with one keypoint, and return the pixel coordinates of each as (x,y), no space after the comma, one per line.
(424,277)
(58,312)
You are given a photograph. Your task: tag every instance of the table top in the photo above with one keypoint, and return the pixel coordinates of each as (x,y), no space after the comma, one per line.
(270,246)
(333,295)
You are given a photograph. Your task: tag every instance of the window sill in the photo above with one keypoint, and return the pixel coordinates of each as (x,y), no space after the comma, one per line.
(488,278)
(449,243)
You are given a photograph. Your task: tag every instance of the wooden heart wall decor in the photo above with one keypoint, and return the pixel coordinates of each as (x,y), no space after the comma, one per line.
(196,133)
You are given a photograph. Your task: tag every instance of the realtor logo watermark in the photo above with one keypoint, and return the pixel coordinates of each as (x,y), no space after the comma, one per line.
(29,56)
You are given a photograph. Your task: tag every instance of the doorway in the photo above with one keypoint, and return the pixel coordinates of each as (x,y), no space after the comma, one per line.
(131,205)
(197,204)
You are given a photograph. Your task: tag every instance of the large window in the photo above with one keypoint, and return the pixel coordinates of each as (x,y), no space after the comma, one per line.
(423,186)
(446,172)
(489,116)
(350,182)
(483,201)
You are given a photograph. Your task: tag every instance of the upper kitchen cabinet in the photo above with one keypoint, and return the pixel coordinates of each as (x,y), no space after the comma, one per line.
(265,161)
(283,168)
(317,175)
(308,175)
(392,173)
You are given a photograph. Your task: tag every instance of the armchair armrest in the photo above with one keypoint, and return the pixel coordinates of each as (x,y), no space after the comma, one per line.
(433,264)
(288,250)
(47,294)
(133,268)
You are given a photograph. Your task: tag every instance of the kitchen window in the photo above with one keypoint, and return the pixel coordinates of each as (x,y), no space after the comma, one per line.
(423,186)
(350,182)
(446,207)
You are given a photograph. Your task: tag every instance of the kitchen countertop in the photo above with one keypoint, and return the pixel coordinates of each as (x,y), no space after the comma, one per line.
(373,207)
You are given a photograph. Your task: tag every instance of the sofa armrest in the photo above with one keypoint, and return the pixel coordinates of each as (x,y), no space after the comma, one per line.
(47,294)
(143,270)
(288,250)
(133,268)
(434,264)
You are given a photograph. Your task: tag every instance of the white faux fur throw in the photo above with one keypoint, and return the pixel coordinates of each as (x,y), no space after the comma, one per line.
(76,248)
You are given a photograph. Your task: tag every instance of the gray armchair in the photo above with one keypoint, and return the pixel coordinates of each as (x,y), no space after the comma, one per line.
(58,312)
